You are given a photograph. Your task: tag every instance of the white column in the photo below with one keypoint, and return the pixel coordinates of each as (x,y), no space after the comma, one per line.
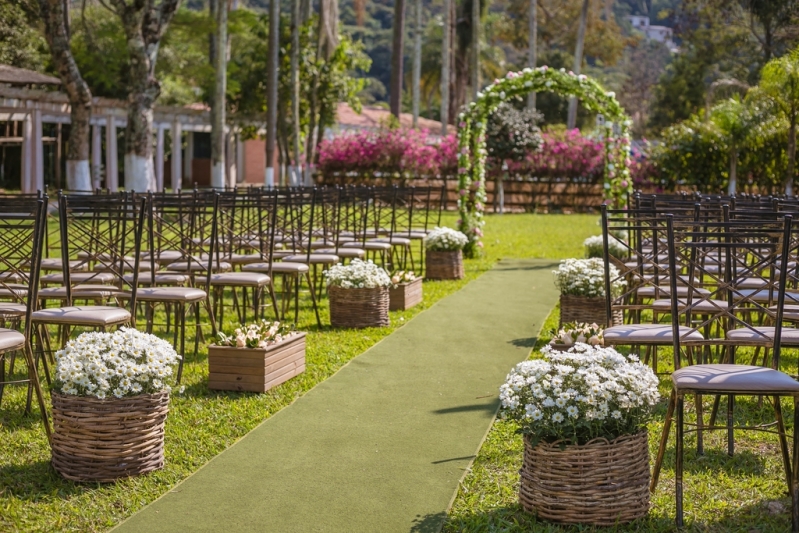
(111,173)
(231,159)
(241,175)
(38,152)
(27,149)
(177,165)
(159,159)
(97,153)
(189,156)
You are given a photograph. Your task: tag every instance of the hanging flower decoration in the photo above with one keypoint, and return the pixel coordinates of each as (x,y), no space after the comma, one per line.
(471,139)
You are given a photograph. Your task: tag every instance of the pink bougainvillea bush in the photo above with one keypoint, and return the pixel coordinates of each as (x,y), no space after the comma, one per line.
(565,154)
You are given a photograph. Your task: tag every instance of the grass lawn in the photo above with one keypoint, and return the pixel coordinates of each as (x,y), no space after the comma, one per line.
(202,423)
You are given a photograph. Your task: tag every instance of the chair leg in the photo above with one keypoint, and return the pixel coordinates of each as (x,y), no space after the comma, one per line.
(795,470)
(274,299)
(678,467)
(700,444)
(313,300)
(664,439)
(730,436)
(786,459)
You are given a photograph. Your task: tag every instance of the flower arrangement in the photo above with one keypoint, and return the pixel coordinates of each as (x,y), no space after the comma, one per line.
(402,276)
(257,335)
(124,363)
(577,332)
(586,277)
(595,247)
(357,275)
(445,240)
(583,394)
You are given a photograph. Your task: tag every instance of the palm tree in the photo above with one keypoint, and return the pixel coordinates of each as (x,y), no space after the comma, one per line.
(532,21)
(571,120)
(397,48)
(417,59)
(731,117)
(220,88)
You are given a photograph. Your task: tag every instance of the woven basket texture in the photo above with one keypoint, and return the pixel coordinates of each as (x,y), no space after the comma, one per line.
(600,483)
(443,265)
(104,440)
(358,308)
(588,310)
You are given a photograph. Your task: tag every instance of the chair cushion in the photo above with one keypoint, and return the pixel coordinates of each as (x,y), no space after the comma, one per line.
(313,259)
(244,259)
(762,296)
(8,309)
(85,290)
(11,290)
(278,268)
(88,315)
(733,378)
(682,292)
(80,277)
(647,334)
(197,266)
(55,263)
(10,277)
(697,306)
(164,257)
(11,340)
(168,294)
(396,241)
(372,246)
(789,336)
(161,278)
(239,279)
(348,253)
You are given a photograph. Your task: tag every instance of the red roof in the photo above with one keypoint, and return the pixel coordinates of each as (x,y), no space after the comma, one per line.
(23,76)
(374,117)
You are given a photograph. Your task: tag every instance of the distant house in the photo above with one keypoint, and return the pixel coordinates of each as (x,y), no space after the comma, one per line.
(373,118)
(661,34)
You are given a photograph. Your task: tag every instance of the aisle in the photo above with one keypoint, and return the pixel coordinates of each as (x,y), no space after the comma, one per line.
(381,445)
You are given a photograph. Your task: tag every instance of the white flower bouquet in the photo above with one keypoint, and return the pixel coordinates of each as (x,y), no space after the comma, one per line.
(445,240)
(357,275)
(256,335)
(586,277)
(402,276)
(583,394)
(124,363)
(595,247)
(574,333)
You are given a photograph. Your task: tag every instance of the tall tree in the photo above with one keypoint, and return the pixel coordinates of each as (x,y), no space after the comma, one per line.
(780,81)
(296,167)
(532,20)
(271,91)
(731,118)
(417,59)
(571,120)
(445,65)
(219,101)
(144,25)
(397,49)
(55,16)
(475,59)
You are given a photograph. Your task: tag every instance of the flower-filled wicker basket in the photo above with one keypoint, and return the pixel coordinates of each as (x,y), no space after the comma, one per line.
(603,483)
(582,291)
(587,309)
(358,308)
(104,440)
(444,254)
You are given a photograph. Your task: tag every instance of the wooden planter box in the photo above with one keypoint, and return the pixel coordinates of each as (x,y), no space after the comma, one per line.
(443,265)
(586,309)
(358,308)
(255,369)
(405,296)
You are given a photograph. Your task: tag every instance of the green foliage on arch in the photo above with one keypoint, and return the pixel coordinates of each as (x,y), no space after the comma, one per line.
(472,127)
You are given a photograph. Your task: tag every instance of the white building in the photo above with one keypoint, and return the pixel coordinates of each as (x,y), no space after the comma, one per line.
(661,34)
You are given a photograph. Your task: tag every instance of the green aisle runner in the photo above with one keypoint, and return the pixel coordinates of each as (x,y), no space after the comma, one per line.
(381,445)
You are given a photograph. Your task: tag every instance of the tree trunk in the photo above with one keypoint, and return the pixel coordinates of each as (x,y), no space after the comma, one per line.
(54,15)
(475,59)
(532,21)
(397,53)
(791,155)
(417,60)
(733,169)
(271,91)
(445,67)
(296,167)
(144,24)
(571,121)
(218,107)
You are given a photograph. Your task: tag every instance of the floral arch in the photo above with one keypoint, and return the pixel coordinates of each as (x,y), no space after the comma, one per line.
(471,138)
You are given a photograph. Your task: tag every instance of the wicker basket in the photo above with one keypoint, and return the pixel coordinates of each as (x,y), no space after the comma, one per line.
(104,440)
(443,265)
(358,308)
(600,483)
(587,309)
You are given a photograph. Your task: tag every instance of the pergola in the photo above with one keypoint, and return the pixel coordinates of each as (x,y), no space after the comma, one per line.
(35,107)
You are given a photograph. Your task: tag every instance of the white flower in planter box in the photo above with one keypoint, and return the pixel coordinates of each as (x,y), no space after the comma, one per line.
(357,275)
(445,240)
(585,277)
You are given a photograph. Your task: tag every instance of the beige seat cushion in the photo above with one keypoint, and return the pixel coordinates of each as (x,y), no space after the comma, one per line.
(240,279)
(80,277)
(11,340)
(11,290)
(370,246)
(243,259)
(199,266)
(396,241)
(313,259)
(55,263)
(697,305)
(647,334)
(762,296)
(789,336)
(164,257)
(789,312)
(89,315)
(8,309)
(278,268)
(161,278)
(168,294)
(733,378)
(84,290)
(682,292)
(10,277)
(347,253)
